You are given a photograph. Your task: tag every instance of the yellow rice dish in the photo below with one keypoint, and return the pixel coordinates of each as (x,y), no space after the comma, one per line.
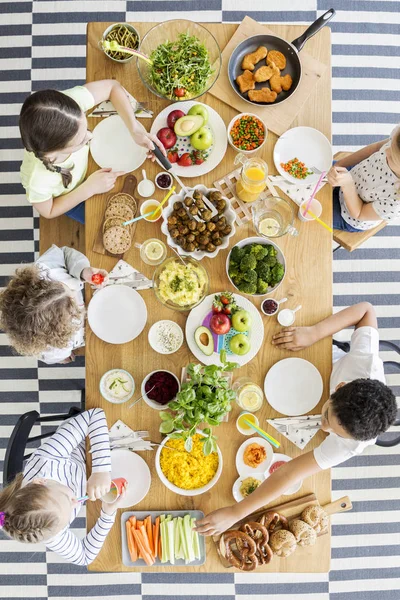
(188,471)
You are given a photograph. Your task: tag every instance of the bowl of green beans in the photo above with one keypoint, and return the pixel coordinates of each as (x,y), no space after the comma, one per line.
(125,35)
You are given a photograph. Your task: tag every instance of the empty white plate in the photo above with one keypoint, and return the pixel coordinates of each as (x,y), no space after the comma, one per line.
(117,314)
(307,144)
(130,465)
(112,146)
(293,386)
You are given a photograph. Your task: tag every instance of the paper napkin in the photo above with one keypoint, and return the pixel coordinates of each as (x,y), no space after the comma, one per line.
(106,109)
(122,436)
(124,274)
(297,193)
(299,437)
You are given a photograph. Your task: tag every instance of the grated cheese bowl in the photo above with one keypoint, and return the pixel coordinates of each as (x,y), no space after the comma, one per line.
(155,332)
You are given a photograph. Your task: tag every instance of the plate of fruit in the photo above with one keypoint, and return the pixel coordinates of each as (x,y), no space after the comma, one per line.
(224,321)
(194,136)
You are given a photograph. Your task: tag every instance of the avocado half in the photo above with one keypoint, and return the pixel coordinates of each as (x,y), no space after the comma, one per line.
(204,339)
(188,125)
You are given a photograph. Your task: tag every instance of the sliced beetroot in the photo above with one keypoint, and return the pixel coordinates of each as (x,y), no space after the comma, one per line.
(166,387)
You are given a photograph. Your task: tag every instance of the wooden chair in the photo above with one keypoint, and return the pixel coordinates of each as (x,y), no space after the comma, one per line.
(346,239)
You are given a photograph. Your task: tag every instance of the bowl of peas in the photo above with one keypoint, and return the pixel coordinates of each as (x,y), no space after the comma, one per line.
(247,133)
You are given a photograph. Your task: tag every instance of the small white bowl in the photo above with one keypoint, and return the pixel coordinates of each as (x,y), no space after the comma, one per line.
(110,398)
(150,402)
(146,207)
(181,491)
(228,130)
(236,486)
(246,431)
(159,186)
(142,186)
(269,314)
(285,458)
(153,335)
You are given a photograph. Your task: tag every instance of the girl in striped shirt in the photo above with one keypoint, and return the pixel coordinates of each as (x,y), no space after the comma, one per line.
(41,503)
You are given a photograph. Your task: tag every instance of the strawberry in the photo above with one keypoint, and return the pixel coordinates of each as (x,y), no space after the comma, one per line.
(185,160)
(228,308)
(226,298)
(173,156)
(97,278)
(217,306)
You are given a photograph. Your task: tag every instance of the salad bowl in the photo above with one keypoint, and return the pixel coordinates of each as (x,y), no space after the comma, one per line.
(192,76)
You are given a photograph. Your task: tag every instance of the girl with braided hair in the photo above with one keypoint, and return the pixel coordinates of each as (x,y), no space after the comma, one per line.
(41,503)
(42,308)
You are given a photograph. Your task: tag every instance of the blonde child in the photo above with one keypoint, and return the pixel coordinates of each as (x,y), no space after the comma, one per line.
(41,503)
(369,192)
(55,135)
(42,307)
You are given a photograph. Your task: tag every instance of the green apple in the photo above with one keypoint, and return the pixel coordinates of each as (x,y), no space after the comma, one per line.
(199,109)
(241,320)
(239,344)
(201,139)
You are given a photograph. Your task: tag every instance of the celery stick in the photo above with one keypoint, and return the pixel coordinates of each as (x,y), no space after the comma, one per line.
(187,529)
(177,537)
(195,538)
(183,547)
(171,548)
(163,541)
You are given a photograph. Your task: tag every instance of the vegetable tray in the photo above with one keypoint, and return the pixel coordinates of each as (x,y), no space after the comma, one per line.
(141,515)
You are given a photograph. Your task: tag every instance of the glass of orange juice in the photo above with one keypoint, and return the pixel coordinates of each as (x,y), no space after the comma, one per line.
(148,207)
(253,178)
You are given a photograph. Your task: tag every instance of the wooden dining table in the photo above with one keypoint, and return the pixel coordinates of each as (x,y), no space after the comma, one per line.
(308,282)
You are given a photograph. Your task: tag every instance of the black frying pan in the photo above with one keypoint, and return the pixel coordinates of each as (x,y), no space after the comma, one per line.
(273,42)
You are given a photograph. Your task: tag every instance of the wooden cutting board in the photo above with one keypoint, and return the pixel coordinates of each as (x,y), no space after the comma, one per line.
(277,118)
(290,510)
(129,187)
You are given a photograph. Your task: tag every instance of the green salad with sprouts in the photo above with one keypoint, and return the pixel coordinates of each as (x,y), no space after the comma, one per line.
(180,69)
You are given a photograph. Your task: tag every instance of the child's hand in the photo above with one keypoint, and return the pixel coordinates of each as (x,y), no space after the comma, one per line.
(294,338)
(217,521)
(97,277)
(110,509)
(98,485)
(102,181)
(339,177)
(147,140)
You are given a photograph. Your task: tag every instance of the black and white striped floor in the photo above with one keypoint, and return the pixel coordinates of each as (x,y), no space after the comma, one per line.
(42,44)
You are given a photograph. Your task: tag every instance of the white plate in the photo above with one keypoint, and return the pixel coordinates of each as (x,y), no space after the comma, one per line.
(236,486)
(307,144)
(293,386)
(112,146)
(117,314)
(218,130)
(197,316)
(158,326)
(130,465)
(277,457)
(229,214)
(245,470)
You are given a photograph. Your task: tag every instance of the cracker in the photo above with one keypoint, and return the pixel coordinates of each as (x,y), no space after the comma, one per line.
(118,210)
(112,222)
(117,240)
(123,198)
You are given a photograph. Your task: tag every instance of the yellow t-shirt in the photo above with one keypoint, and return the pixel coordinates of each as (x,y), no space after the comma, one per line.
(41,184)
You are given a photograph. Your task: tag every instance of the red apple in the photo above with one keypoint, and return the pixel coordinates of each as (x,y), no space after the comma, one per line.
(167,137)
(173,117)
(220,324)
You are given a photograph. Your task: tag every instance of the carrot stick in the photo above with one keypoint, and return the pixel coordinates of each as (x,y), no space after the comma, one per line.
(141,544)
(132,521)
(149,530)
(139,524)
(146,540)
(156,536)
(131,543)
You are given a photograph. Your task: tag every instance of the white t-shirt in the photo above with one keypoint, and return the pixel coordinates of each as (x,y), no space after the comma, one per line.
(362,362)
(375,182)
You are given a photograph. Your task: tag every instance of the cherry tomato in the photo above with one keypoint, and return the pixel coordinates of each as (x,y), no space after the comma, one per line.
(97,278)
(276,466)
(179,92)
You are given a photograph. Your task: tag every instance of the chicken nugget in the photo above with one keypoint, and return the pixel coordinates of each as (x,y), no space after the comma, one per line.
(245,82)
(263,74)
(276,57)
(263,95)
(275,80)
(250,60)
(286,82)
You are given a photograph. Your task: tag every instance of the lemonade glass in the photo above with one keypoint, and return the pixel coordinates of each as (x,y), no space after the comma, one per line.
(253,178)
(249,395)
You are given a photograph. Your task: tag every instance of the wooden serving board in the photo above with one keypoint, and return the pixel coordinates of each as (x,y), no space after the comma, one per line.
(290,510)
(129,187)
(277,118)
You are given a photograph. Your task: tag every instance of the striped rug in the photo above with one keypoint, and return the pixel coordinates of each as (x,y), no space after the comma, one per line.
(42,44)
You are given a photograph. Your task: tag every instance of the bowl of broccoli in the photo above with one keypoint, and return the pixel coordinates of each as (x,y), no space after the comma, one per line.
(255,266)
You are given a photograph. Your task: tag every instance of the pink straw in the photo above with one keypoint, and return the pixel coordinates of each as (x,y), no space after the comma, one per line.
(313,194)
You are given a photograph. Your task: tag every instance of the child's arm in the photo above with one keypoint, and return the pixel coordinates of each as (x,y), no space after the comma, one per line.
(356,157)
(298,338)
(288,475)
(357,208)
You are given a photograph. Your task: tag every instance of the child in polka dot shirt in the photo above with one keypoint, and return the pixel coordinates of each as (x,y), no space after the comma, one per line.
(370,192)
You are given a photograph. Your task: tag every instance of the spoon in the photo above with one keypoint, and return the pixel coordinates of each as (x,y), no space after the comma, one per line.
(115,47)
(139,399)
(178,255)
(174,449)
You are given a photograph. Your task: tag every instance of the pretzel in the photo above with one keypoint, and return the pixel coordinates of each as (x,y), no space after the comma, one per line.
(273,520)
(244,558)
(316,517)
(252,527)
